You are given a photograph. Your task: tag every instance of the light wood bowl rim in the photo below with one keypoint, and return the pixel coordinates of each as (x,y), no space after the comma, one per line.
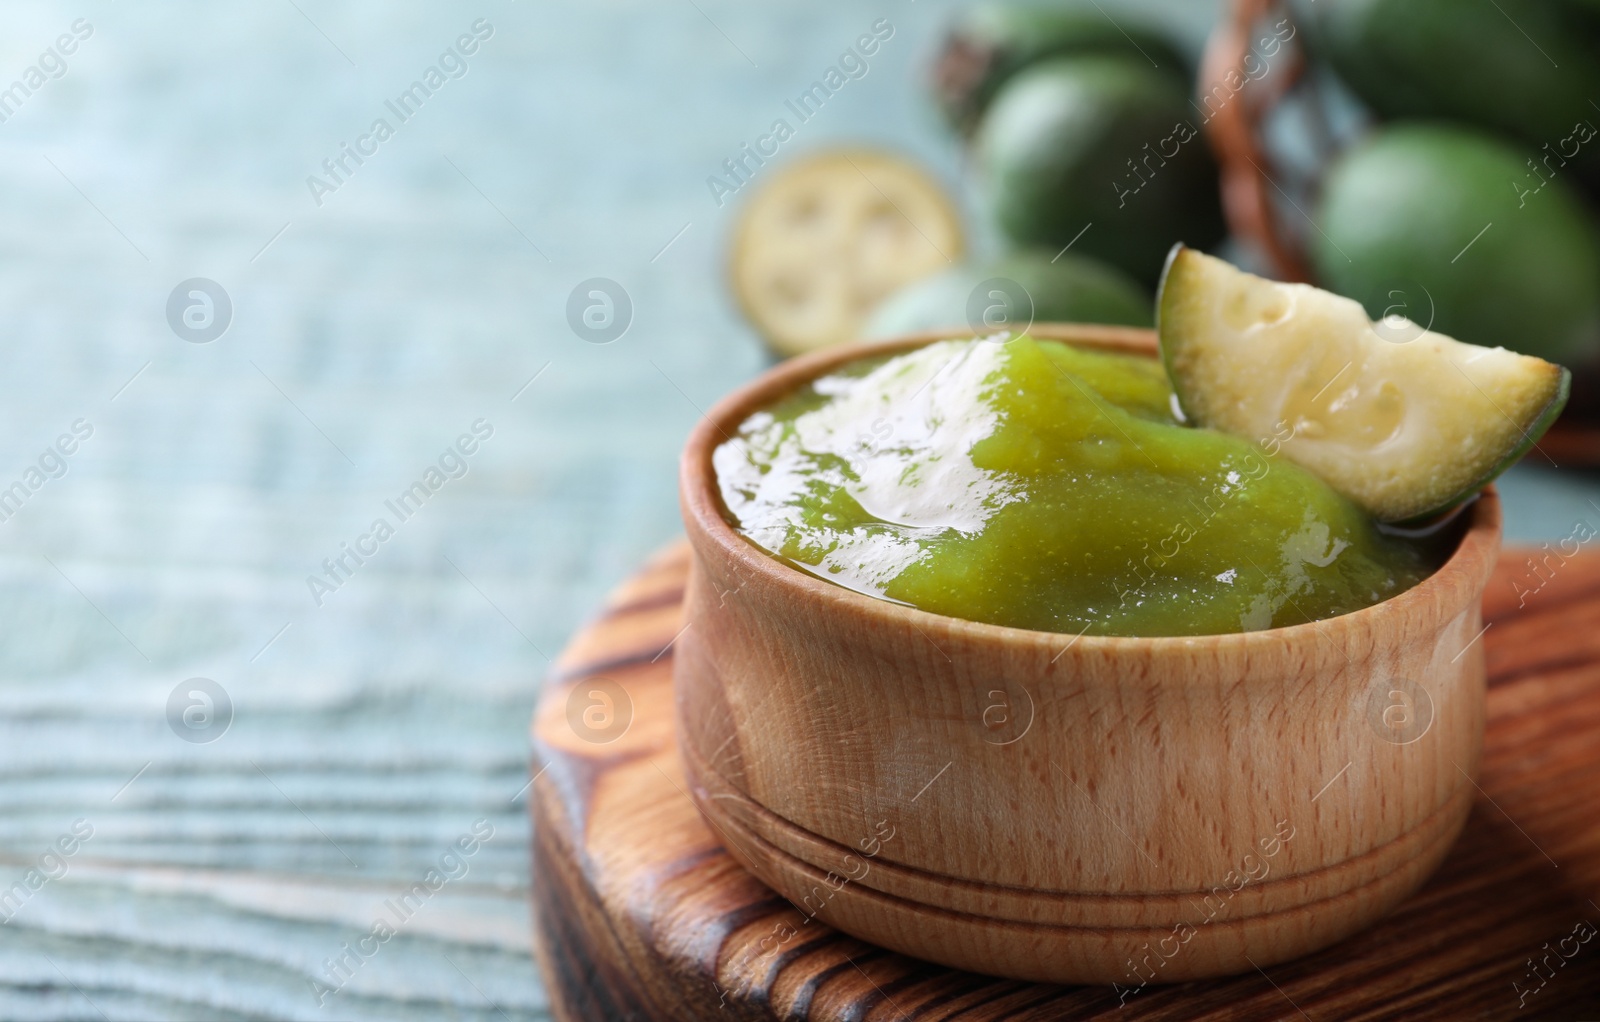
(701,503)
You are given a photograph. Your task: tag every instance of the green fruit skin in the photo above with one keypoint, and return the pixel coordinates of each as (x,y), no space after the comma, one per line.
(991,42)
(1079,140)
(1397,220)
(1073,289)
(1527,67)
(1530,437)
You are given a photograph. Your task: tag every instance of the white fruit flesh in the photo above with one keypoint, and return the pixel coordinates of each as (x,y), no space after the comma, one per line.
(1404,421)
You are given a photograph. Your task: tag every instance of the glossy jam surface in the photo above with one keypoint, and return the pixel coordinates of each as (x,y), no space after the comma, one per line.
(1032,484)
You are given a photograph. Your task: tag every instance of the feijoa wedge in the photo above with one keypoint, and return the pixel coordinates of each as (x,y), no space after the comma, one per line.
(1403,421)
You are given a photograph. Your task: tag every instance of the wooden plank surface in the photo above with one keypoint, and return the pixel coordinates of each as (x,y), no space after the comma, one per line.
(642,915)
(367,332)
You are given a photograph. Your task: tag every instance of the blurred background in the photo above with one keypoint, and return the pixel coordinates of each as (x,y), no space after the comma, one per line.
(253,343)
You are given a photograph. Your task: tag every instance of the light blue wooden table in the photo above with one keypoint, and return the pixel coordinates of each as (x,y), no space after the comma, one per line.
(376,723)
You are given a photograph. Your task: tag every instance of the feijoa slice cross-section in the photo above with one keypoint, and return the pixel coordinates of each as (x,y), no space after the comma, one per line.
(825,238)
(1403,421)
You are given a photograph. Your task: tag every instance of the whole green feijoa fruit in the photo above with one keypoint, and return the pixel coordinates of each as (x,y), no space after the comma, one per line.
(1068,289)
(990,42)
(1450,228)
(1526,67)
(1102,153)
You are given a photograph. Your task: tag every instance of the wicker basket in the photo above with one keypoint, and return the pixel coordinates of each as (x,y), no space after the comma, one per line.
(1247,170)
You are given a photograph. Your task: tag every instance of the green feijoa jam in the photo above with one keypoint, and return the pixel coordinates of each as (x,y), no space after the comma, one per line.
(1032,484)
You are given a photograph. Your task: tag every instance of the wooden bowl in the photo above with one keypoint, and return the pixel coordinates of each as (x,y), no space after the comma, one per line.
(1044,807)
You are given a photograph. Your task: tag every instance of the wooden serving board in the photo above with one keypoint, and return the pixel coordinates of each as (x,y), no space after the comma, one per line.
(640,914)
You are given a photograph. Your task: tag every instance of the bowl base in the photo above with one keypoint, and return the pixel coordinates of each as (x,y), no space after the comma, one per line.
(1063,937)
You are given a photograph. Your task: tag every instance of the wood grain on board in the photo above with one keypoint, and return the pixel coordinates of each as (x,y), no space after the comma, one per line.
(640,914)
